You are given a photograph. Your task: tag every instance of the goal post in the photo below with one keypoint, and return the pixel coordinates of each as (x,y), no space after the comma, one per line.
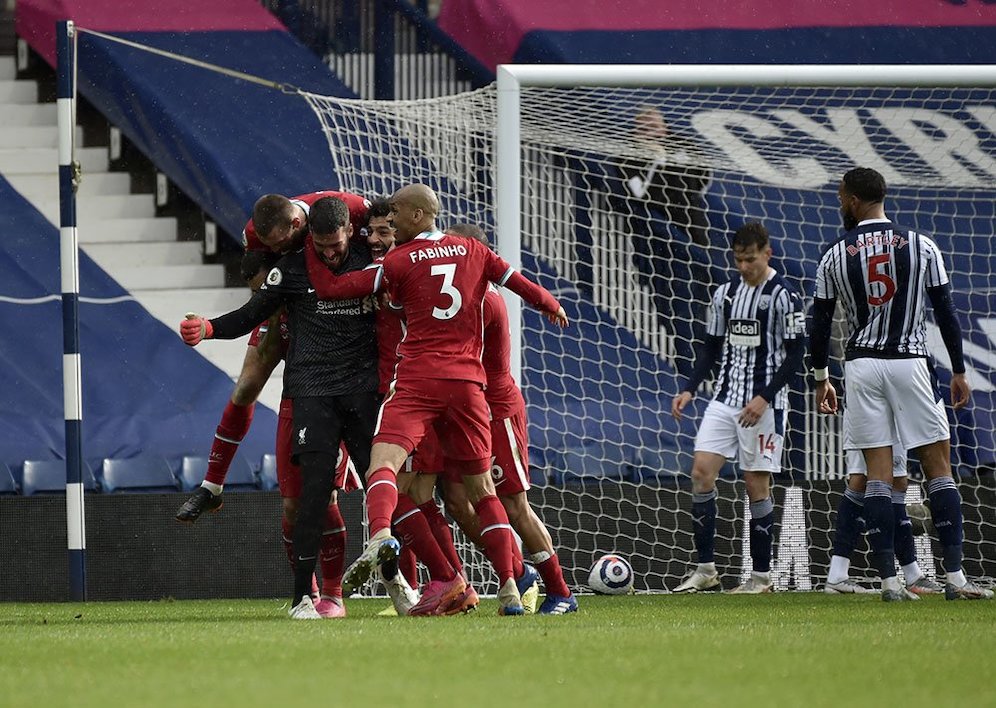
(537,156)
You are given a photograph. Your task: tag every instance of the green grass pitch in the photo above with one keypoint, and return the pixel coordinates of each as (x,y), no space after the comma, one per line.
(789,649)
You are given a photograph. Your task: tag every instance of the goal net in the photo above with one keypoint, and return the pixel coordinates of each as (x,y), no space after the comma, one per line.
(623,195)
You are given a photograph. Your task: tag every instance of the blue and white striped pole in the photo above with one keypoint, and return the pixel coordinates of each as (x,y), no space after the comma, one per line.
(72,381)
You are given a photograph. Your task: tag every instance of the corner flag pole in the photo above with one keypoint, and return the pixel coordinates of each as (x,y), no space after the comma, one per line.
(72,381)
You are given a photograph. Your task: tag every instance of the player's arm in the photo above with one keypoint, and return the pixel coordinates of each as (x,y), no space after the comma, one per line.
(354,284)
(501,273)
(235,324)
(706,360)
(947,322)
(793,328)
(819,353)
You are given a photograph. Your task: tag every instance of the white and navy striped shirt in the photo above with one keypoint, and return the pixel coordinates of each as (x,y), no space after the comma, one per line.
(880,275)
(755,321)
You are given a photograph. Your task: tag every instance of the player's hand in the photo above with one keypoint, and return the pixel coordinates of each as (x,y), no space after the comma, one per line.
(679,402)
(752,412)
(558,318)
(961,392)
(826,398)
(195,328)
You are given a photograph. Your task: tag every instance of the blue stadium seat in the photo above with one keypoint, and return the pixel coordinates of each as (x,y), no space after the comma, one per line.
(268,472)
(146,473)
(50,476)
(8,485)
(194,467)
(592,462)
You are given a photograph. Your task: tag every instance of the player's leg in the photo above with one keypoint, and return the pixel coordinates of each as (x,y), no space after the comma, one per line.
(234,424)
(760,532)
(332,558)
(848,528)
(289,484)
(924,429)
(510,474)
(413,529)
(916,581)
(870,426)
(317,432)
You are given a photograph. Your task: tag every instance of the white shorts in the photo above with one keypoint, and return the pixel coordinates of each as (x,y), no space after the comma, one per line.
(855,462)
(756,449)
(890,399)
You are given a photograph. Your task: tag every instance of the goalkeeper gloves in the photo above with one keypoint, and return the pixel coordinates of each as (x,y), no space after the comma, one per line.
(195,328)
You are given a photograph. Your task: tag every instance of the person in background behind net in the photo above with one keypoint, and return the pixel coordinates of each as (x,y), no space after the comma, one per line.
(755,330)
(663,198)
(331,372)
(883,275)
(278,226)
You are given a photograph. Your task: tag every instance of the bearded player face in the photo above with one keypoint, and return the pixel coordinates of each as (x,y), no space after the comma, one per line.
(848,205)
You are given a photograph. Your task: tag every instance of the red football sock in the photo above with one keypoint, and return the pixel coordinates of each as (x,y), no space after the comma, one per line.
(496,535)
(408,566)
(553,577)
(413,530)
(441,531)
(234,425)
(287,531)
(382,498)
(333,553)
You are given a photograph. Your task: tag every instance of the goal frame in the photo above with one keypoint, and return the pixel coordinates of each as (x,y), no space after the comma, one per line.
(512,78)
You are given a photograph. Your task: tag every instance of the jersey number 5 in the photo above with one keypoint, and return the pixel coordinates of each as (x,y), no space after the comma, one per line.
(876,276)
(447,270)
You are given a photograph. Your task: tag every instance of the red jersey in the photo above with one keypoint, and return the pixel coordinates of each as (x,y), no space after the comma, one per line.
(358,207)
(440,281)
(389,331)
(502,394)
(261,329)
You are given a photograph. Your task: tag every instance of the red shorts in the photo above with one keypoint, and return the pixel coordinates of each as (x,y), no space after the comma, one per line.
(428,456)
(510,454)
(456,409)
(289,474)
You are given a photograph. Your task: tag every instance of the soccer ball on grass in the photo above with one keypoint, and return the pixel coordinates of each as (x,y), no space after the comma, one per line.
(611,575)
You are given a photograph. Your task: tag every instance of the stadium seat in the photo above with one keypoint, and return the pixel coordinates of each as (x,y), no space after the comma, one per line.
(194,467)
(147,473)
(7,483)
(50,476)
(592,462)
(268,472)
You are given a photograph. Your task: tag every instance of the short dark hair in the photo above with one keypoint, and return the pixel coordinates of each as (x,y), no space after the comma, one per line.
(270,211)
(379,207)
(255,261)
(866,184)
(327,215)
(750,234)
(470,231)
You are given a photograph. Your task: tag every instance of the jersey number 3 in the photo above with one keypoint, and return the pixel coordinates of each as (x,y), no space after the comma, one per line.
(447,270)
(876,276)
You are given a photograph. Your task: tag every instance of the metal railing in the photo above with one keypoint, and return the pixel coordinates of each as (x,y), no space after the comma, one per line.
(383,49)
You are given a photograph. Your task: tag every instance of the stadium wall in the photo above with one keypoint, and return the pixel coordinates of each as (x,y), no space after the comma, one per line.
(136,551)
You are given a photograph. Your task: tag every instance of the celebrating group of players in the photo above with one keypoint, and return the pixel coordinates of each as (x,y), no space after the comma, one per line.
(397,348)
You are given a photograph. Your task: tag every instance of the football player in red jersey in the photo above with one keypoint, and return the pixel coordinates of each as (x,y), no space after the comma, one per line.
(510,451)
(440,282)
(278,226)
(423,529)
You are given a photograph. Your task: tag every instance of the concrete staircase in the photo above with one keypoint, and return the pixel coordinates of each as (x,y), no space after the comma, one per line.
(117,229)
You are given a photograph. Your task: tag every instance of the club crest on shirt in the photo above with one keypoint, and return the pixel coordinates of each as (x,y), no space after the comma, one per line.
(764,302)
(275,277)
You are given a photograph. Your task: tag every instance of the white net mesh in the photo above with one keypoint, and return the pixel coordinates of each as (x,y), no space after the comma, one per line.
(629,227)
